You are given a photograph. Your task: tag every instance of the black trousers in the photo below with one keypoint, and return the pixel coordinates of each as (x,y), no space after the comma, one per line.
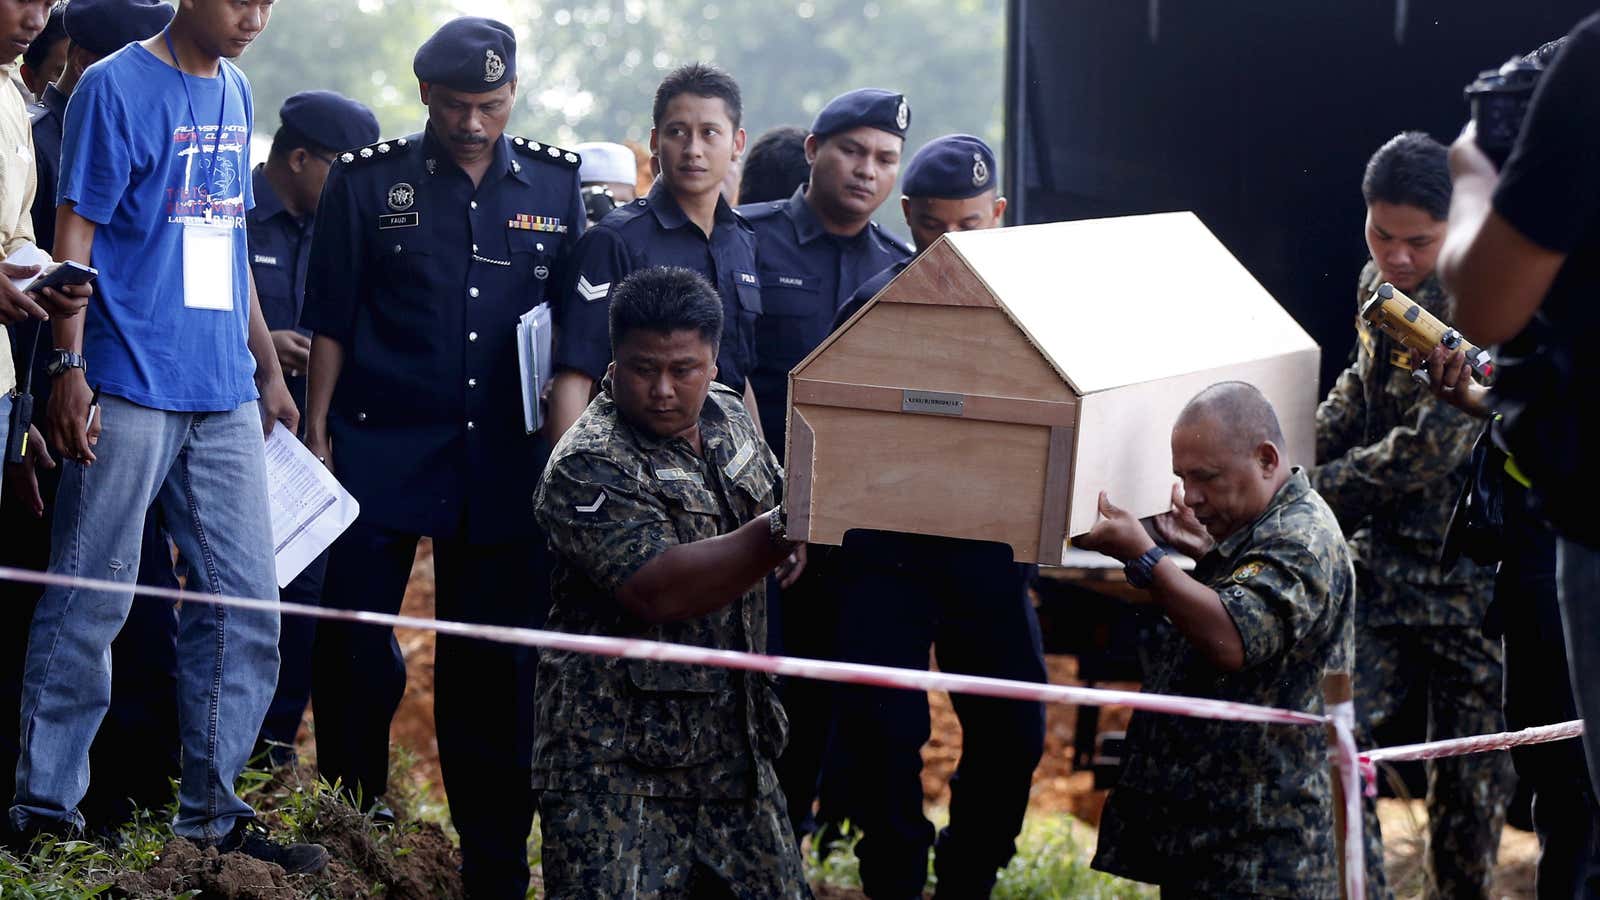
(135,753)
(295,639)
(804,621)
(483,692)
(1538,692)
(901,595)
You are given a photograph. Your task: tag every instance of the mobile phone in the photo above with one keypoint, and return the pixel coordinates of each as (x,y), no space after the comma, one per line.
(68,273)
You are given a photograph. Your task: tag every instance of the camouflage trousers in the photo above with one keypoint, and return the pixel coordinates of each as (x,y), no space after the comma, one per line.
(1458,669)
(621,847)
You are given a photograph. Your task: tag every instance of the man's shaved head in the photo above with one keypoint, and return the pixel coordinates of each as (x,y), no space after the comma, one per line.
(1244,412)
(1227,447)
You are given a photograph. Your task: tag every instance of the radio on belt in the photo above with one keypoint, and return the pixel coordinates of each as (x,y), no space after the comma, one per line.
(1403,319)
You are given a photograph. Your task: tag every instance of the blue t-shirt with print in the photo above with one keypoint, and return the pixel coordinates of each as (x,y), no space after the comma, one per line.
(136,159)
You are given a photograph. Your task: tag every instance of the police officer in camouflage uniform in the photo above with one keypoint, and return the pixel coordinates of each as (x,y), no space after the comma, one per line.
(428,248)
(656,777)
(1214,808)
(1392,460)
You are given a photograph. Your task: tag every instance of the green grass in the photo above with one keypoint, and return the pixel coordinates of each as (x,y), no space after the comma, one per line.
(1052,861)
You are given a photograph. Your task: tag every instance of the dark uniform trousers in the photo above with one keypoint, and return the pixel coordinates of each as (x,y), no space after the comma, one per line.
(361,677)
(1538,692)
(903,595)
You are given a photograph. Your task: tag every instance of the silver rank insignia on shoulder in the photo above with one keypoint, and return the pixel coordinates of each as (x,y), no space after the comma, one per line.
(518,141)
(383,148)
(493,66)
(980,171)
(366,152)
(401,196)
(347,157)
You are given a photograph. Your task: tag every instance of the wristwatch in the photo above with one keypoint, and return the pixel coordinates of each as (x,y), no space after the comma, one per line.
(1140,571)
(62,360)
(777,525)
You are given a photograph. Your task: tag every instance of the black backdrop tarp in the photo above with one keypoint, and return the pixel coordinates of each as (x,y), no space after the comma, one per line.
(1257,114)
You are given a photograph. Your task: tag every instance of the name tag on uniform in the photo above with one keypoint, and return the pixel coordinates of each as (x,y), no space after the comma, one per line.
(208,265)
(399,220)
(746,278)
(262,259)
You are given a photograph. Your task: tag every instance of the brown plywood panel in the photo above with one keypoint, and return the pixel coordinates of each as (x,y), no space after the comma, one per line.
(1125,435)
(1057,493)
(954,349)
(894,400)
(797,488)
(939,276)
(926,475)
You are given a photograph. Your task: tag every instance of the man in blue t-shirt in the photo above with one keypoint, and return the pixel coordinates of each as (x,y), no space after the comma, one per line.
(155,400)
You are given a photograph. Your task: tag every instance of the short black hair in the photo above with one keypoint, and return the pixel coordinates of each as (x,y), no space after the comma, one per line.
(55,31)
(774,165)
(1411,169)
(1246,411)
(665,299)
(288,139)
(701,80)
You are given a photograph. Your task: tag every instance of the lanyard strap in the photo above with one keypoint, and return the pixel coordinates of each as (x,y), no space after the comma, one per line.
(222,110)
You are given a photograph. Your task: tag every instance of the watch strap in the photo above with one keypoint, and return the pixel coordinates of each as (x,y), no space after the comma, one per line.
(1140,571)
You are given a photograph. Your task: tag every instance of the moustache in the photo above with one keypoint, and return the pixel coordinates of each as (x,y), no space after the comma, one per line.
(474,139)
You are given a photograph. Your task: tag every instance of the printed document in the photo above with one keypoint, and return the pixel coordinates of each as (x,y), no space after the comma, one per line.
(309,506)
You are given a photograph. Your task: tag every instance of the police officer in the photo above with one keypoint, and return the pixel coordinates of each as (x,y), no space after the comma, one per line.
(683,221)
(609,174)
(136,751)
(428,249)
(314,127)
(902,595)
(819,245)
(815,249)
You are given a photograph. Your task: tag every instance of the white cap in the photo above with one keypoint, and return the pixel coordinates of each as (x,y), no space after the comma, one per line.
(605,161)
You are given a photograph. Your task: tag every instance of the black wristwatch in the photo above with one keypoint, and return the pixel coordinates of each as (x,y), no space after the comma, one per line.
(777,526)
(1140,571)
(62,360)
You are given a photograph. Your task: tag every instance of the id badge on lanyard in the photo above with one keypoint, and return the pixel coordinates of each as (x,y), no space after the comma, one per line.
(208,264)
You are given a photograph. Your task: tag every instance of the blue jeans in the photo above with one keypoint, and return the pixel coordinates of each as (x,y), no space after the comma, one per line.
(1578,568)
(207,470)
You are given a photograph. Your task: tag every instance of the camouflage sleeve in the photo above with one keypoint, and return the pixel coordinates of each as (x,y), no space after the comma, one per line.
(601,519)
(1431,441)
(1276,594)
(1339,415)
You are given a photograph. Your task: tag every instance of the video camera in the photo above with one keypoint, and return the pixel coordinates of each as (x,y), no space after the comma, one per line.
(1499,100)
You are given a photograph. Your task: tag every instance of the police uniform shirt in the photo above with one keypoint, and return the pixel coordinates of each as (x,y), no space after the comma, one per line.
(867,291)
(807,274)
(47,117)
(280,250)
(655,231)
(421,277)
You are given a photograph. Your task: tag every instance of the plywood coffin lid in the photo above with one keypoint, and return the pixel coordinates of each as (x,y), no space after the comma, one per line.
(1108,302)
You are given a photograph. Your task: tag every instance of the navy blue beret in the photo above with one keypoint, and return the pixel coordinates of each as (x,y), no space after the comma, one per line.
(103,27)
(952,167)
(328,119)
(872,107)
(470,54)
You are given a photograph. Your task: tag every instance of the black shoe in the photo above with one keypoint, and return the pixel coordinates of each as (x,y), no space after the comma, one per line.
(296,859)
(20,843)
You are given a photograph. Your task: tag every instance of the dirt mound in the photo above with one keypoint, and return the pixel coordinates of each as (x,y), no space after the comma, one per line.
(228,876)
(413,861)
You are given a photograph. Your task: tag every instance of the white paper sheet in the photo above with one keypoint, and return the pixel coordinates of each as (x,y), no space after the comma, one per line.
(309,506)
(29,255)
(534,363)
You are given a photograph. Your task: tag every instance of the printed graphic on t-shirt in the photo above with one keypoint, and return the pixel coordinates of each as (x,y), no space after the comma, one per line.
(217,176)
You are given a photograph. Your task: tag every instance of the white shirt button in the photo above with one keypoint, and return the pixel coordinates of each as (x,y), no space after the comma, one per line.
(472,292)
(471,426)
(472,382)
(472,335)
(473,204)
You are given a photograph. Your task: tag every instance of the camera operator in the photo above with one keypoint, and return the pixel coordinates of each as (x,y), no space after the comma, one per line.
(1522,259)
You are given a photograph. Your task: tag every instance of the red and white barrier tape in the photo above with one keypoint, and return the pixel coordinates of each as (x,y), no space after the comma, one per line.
(1351,764)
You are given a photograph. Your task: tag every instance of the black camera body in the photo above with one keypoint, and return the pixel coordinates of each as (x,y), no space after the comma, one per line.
(1499,100)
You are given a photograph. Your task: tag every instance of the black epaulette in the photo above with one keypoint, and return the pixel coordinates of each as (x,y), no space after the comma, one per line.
(757,211)
(891,239)
(380,150)
(550,153)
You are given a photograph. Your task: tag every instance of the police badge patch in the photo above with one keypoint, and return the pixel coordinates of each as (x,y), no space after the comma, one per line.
(902,116)
(980,171)
(401,196)
(493,66)
(1246,572)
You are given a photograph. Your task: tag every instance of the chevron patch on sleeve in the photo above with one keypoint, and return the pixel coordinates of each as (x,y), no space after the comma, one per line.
(592,292)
